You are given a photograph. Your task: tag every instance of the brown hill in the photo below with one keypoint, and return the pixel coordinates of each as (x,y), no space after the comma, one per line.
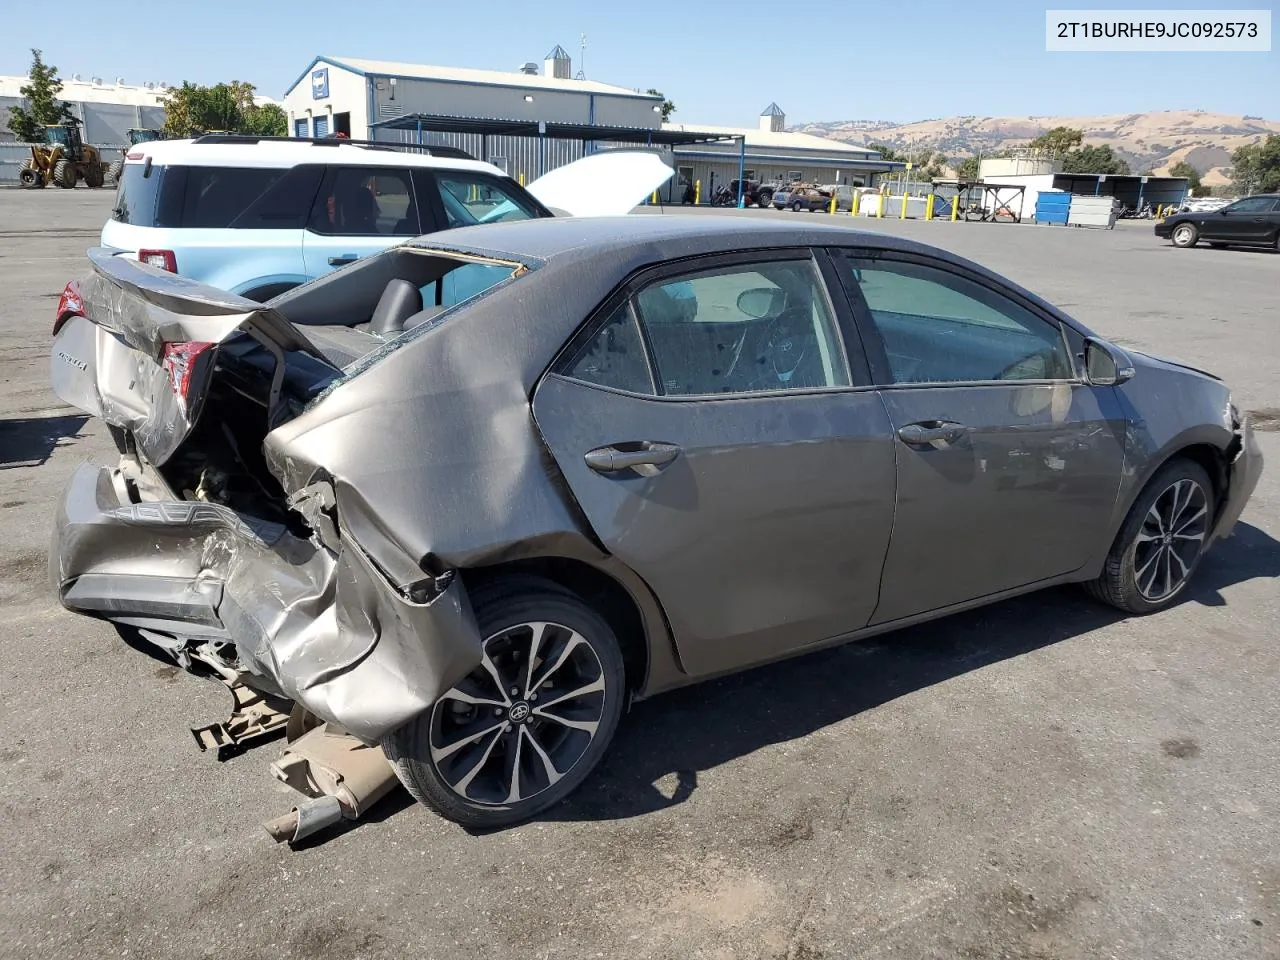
(1148,141)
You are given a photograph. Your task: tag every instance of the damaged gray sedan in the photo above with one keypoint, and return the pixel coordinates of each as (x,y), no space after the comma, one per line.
(467,498)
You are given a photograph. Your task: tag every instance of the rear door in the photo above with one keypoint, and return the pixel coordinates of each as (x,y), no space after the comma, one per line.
(1008,464)
(358,211)
(721,443)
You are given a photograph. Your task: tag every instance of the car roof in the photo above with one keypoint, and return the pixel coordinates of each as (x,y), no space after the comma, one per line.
(653,237)
(291,153)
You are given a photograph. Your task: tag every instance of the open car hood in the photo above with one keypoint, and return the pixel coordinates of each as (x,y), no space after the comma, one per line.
(606,184)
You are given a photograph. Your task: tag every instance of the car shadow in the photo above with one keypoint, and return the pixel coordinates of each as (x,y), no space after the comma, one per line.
(673,737)
(29,442)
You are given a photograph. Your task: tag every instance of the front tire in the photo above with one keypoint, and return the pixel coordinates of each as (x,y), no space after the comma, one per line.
(1161,541)
(488,754)
(766,200)
(1185,235)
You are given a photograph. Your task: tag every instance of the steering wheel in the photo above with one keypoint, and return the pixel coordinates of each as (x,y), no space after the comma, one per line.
(783,345)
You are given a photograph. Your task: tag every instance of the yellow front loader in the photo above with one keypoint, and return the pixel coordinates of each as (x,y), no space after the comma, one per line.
(64,159)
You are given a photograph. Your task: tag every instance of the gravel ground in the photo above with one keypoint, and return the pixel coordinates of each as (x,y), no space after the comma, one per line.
(1039,779)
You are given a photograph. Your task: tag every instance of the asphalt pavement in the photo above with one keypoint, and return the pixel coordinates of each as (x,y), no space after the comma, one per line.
(1039,779)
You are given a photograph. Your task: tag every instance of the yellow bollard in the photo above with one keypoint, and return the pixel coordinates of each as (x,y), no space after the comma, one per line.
(928,206)
(880,206)
(522,178)
(697,192)
(831,208)
(955,207)
(654,200)
(854,204)
(902,214)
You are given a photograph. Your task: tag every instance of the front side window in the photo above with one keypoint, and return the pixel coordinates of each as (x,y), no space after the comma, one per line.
(741,328)
(469,199)
(1253,205)
(940,327)
(366,202)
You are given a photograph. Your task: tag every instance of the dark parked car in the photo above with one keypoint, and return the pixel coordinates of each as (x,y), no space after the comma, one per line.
(651,450)
(753,192)
(1252,222)
(799,198)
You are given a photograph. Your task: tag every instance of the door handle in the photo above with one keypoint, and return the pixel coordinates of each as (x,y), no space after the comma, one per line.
(929,432)
(647,459)
(343,260)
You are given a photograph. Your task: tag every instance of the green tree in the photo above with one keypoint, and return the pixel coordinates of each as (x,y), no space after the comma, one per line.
(43,106)
(886,152)
(1094,160)
(1058,142)
(193,108)
(1256,168)
(668,108)
(1192,175)
(967,169)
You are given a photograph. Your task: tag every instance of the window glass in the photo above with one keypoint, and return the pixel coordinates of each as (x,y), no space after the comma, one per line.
(136,195)
(741,329)
(475,198)
(284,204)
(939,327)
(615,356)
(1252,205)
(215,196)
(464,282)
(366,202)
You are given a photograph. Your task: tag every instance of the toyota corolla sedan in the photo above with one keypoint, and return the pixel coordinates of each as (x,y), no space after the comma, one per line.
(471,529)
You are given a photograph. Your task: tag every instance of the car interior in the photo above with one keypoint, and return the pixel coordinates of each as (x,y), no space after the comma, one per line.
(383,297)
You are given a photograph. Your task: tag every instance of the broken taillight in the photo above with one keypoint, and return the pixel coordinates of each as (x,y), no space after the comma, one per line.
(180,361)
(70,305)
(164,259)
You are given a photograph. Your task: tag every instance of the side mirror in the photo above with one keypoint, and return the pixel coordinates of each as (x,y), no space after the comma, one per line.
(1105,365)
(760,302)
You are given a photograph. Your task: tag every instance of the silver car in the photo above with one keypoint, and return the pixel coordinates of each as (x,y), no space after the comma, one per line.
(468,498)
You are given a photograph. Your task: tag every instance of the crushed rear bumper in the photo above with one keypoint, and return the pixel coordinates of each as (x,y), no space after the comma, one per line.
(325,629)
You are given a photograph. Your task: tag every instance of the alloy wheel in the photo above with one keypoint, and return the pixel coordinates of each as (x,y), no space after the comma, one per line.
(1183,235)
(1170,540)
(523,718)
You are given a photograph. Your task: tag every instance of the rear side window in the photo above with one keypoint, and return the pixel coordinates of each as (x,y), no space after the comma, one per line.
(366,202)
(239,198)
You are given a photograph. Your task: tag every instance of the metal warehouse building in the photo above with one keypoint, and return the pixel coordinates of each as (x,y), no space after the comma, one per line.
(382,100)
(527,122)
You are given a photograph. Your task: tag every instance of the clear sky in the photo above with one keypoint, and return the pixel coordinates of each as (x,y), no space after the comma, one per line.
(719,62)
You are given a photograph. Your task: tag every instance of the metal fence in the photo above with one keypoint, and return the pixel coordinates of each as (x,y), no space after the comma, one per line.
(12,155)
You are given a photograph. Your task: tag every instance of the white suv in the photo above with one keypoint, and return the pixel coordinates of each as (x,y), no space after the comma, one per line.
(258,216)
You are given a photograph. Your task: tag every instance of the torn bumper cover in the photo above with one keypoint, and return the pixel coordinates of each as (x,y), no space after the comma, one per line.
(323,628)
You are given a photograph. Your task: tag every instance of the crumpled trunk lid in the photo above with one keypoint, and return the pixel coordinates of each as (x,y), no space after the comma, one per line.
(122,358)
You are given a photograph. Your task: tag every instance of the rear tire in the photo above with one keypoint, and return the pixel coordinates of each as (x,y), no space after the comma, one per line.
(1160,544)
(765,199)
(1185,235)
(458,757)
(796,206)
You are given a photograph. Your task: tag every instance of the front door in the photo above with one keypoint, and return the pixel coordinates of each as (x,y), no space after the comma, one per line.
(1008,465)
(1245,221)
(708,426)
(358,211)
